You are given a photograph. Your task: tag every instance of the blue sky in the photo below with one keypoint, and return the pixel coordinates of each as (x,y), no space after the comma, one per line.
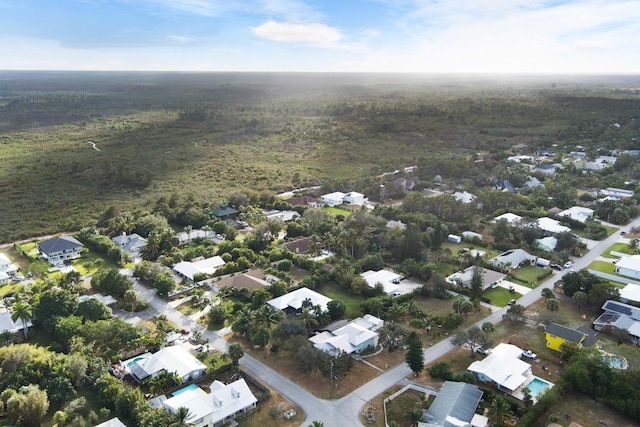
(447,36)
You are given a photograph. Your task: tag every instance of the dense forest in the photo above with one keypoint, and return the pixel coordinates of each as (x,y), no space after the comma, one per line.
(73,144)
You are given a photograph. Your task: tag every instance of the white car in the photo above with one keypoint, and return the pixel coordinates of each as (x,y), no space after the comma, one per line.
(568,264)
(529,354)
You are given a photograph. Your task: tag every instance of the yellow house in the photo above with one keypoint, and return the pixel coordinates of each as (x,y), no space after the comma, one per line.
(556,335)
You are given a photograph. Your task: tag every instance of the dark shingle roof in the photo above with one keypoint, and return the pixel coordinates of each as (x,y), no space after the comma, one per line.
(224,211)
(458,400)
(563,332)
(57,244)
(298,246)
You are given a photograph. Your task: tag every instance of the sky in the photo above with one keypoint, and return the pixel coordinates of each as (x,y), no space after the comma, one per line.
(417,36)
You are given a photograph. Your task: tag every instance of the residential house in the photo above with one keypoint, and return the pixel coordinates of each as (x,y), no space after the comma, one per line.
(388,279)
(208,266)
(455,406)
(294,301)
(578,213)
(470,235)
(549,225)
(556,335)
(284,216)
(629,266)
(464,197)
(299,245)
(518,148)
(8,325)
(189,236)
(578,155)
(547,244)
(310,201)
(6,266)
(617,193)
(406,184)
(169,359)
(113,422)
(533,182)
(511,218)
(355,198)
(503,368)
(356,336)
(454,239)
(504,185)
(60,249)
(548,168)
(630,293)
(333,199)
(619,316)
(252,279)
(545,153)
(463,278)
(4,278)
(224,403)
(512,258)
(520,159)
(107,300)
(225,212)
(132,244)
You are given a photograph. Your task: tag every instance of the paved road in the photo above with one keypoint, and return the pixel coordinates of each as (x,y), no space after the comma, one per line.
(345,411)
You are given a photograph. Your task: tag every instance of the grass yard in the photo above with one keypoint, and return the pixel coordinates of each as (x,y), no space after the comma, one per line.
(528,275)
(338,211)
(188,307)
(351,300)
(603,266)
(444,269)
(9,289)
(271,413)
(584,411)
(500,296)
(91,262)
(398,407)
(28,248)
(617,247)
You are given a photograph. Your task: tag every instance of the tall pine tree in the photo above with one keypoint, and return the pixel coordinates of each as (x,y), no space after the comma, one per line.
(414,356)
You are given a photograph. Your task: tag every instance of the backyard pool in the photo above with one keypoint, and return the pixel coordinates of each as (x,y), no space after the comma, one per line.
(616,362)
(537,386)
(187,388)
(134,361)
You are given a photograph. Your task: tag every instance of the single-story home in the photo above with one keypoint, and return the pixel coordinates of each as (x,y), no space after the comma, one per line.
(6,266)
(224,403)
(252,279)
(188,236)
(533,182)
(354,337)
(388,279)
(8,325)
(310,201)
(454,239)
(512,258)
(503,367)
(556,335)
(629,266)
(504,185)
(464,197)
(455,406)
(549,225)
(463,278)
(617,193)
(132,244)
(225,212)
(208,266)
(470,235)
(107,300)
(284,216)
(620,316)
(113,422)
(404,183)
(578,213)
(548,168)
(511,218)
(547,244)
(631,292)
(293,301)
(300,245)
(168,359)
(60,249)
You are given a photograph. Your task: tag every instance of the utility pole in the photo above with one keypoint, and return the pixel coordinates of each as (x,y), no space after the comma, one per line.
(331,378)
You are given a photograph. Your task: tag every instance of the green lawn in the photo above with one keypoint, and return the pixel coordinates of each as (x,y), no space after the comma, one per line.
(528,275)
(9,289)
(338,211)
(604,266)
(617,247)
(500,296)
(351,300)
(29,248)
(90,262)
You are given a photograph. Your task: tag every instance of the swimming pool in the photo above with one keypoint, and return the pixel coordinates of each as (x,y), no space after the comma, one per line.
(537,386)
(134,361)
(187,388)
(617,362)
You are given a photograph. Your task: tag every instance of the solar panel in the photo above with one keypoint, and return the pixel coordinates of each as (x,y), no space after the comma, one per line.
(618,308)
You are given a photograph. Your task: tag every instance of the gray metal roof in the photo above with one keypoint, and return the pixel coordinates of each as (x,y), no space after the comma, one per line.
(457,400)
(564,332)
(57,244)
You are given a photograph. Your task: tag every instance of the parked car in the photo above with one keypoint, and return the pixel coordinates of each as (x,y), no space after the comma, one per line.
(529,354)
(622,233)
(512,302)
(185,331)
(568,264)
(482,350)
(556,267)
(615,261)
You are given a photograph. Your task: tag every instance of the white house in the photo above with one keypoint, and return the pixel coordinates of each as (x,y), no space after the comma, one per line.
(470,235)
(188,236)
(631,292)
(333,199)
(617,193)
(388,280)
(578,213)
(225,402)
(168,359)
(463,278)
(464,197)
(8,325)
(206,266)
(6,266)
(547,244)
(293,301)
(549,225)
(619,316)
(629,266)
(60,249)
(503,367)
(355,198)
(455,406)
(284,216)
(512,258)
(113,422)
(356,336)
(132,244)
(511,218)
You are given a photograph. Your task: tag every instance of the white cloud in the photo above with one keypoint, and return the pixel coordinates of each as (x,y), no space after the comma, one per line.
(316,34)
(182,39)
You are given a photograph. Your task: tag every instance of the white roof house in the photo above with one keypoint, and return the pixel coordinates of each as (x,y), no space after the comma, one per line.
(169,359)
(386,278)
(550,225)
(464,197)
(206,266)
(131,244)
(283,216)
(578,213)
(510,217)
(6,324)
(224,402)
(617,193)
(184,236)
(293,300)
(503,367)
(631,292)
(355,198)
(512,258)
(629,266)
(354,337)
(333,199)
(6,266)
(113,422)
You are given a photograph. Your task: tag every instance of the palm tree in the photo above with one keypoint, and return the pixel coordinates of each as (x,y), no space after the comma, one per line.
(308,318)
(5,337)
(500,413)
(22,311)
(266,316)
(547,293)
(414,415)
(179,418)
(316,424)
